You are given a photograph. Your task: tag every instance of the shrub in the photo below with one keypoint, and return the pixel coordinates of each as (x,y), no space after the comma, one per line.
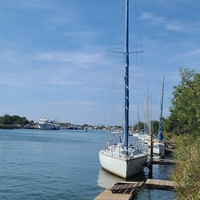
(186,173)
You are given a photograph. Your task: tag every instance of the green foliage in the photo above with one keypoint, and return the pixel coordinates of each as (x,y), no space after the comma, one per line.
(185,109)
(184,121)
(12,120)
(155,127)
(139,126)
(186,173)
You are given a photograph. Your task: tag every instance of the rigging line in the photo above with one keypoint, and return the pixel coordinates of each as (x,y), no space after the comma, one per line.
(142,67)
(112,102)
(116,24)
(141,44)
(116,60)
(112,92)
(138,23)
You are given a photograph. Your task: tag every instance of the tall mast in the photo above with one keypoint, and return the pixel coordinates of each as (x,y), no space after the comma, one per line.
(160,133)
(126,77)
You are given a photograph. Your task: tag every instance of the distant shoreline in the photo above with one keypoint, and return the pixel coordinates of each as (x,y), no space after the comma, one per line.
(2,126)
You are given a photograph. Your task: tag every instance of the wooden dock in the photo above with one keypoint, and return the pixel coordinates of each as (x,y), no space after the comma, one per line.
(128,190)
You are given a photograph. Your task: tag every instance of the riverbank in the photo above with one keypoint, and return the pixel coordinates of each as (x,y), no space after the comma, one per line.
(14,126)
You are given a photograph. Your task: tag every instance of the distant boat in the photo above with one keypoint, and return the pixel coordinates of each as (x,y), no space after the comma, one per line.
(45,124)
(123,159)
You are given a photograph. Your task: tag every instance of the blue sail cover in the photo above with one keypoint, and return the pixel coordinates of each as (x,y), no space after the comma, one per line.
(160,133)
(160,136)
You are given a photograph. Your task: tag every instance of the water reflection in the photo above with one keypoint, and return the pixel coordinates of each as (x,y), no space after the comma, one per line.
(106,179)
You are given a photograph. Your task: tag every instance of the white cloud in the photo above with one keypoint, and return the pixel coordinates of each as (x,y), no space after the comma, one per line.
(66,82)
(79,59)
(173,26)
(192,53)
(187,27)
(153,19)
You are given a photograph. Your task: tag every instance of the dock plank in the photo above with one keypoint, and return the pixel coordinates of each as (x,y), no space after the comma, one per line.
(108,195)
(159,184)
(162,183)
(117,187)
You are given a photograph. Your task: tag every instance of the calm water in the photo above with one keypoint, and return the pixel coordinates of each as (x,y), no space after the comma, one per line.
(45,165)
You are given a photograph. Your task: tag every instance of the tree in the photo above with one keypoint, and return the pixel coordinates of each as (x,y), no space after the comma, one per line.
(24,121)
(139,126)
(155,127)
(13,120)
(7,119)
(16,119)
(185,109)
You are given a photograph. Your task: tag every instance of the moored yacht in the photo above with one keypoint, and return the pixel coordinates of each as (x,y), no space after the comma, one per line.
(45,124)
(123,158)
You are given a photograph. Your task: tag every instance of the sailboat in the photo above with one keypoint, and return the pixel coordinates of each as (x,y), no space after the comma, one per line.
(158,147)
(123,159)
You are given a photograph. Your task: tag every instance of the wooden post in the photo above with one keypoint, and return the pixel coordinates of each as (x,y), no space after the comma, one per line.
(151,158)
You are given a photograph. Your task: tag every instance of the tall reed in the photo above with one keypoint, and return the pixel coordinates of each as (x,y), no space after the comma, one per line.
(186,173)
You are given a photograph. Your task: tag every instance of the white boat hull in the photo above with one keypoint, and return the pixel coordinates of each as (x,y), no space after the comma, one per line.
(121,166)
(45,124)
(47,127)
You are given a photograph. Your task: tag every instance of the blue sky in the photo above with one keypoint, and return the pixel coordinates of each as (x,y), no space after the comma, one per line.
(55,59)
